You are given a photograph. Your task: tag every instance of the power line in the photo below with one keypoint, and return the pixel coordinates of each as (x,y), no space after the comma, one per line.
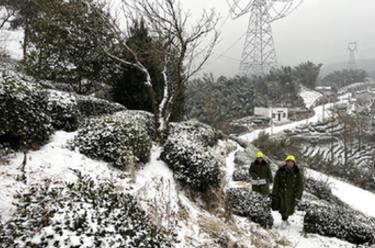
(222,54)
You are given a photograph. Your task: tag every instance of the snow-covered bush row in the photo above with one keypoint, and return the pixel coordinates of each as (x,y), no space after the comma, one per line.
(67,109)
(252,205)
(320,189)
(340,222)
(196,131)
(23,118)
(91,106)
(143,119)
(241,175)
(243,158)
(192,164)
(49,85)
(113,139)
(83,214)
(62,107)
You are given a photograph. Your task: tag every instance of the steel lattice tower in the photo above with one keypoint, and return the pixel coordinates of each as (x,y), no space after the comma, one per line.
(259,54)
(352,48)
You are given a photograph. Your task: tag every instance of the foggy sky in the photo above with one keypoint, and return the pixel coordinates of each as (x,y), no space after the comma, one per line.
(319,31)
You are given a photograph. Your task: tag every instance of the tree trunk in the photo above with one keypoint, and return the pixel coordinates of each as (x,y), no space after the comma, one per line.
(25,40)
(155,110)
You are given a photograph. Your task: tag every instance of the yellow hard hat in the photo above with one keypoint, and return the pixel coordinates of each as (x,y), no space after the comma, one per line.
(291,158)
(260,155)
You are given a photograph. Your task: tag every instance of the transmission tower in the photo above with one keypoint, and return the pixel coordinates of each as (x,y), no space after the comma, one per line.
(352,48)
(259,54)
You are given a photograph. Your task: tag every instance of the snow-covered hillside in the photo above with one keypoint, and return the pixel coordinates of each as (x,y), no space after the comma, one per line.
(53,162)
(154,187)
(177,193)
(157,192)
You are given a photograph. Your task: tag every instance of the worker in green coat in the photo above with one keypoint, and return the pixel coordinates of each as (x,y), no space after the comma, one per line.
(261,175)
(288,188)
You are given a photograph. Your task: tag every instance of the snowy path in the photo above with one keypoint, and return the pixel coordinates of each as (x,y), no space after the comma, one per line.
(294,233)
(321,112)
(357,198)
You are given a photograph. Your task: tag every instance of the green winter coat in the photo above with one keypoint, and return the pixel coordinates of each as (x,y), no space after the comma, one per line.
(288,186)
(261,170)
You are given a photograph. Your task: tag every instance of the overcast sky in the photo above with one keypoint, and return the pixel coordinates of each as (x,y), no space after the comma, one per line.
(319,30)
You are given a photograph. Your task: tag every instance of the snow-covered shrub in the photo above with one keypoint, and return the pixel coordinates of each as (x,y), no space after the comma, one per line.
(303,205)
(62,107)
(196,131)
(23,120)
(56,86)
(113,139)
(252,205)
(91,106)
(142,118)
(321,189)
(241,175)
(244,158)
(340,222)
(192,164)
(83,214)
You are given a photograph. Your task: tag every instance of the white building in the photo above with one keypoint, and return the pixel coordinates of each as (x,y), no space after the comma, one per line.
(278,115)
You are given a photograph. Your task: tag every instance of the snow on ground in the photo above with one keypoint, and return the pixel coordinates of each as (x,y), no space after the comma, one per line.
(169,207)
(349,194)
(294,233)
(230,168)
(357,198)
(11,43)
(309,96)
(54,162)
(321,112)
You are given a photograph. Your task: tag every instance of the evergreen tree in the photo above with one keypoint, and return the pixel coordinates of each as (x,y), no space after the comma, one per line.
(307,74)
(128,87)
(344,78)
(66,43)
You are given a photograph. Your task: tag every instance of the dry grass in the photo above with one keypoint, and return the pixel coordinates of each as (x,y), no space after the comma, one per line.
(221,232)
(132,167)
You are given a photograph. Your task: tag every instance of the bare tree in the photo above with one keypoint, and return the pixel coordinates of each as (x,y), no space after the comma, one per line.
(182,50)
(5,16)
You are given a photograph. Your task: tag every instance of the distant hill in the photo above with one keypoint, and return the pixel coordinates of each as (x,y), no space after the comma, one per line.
(367,65)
